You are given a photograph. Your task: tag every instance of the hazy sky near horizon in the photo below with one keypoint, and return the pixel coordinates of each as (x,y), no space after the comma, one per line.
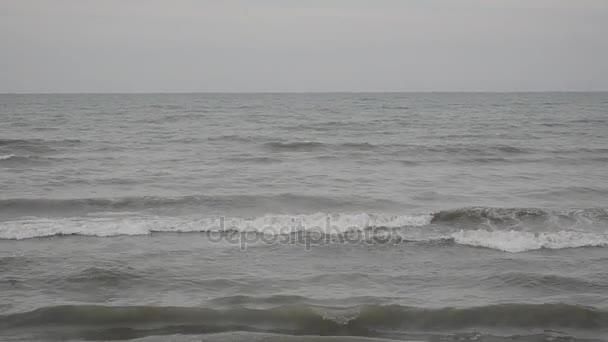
(295,45)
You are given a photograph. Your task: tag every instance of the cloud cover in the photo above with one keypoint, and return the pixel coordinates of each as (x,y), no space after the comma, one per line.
(290,45)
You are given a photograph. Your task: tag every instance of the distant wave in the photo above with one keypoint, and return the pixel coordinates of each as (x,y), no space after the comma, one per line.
(35,145)
(308,146)
(29,142)
(295,146)
(290,203)
(359,146)
(13,159)
(476,150)
(569,192)
(8,142)
(254,160)
(365,320)
(232,138)
(545,282)
(483,153)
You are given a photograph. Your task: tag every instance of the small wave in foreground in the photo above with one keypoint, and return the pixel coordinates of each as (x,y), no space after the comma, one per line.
(369,320)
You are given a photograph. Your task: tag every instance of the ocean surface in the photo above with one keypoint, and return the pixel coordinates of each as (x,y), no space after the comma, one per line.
(304,217)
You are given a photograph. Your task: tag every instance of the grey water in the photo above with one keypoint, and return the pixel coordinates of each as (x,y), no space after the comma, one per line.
(346,216)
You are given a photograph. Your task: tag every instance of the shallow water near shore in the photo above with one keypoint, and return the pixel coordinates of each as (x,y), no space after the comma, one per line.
(313,217)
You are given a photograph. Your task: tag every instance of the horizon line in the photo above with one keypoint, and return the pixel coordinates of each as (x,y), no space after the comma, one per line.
(307,92)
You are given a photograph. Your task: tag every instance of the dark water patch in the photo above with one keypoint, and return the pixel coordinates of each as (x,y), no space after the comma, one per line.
(358,146)
(326,126)
(231,138)
(366,320)
(298,146)
(409,162)
(487,160)
(255,160)
(554,124)
(514,216)
(184,140)
(36,146)
(276,300)
(310,146)
(395,107)
(28,142)
(327,157)
(338,277)
(510,149)
(118,181)
(46,128)
(249,106)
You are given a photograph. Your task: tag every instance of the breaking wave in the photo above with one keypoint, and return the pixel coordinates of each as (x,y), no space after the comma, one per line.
(516,241)
(114,225)
(323,227)
(505,229)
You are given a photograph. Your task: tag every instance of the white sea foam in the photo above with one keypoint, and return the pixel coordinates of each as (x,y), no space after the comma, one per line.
(518,241)
(6,156)
(113,225)
(409,227)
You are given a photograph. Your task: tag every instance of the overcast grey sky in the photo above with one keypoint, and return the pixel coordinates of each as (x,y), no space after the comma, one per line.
(303,45)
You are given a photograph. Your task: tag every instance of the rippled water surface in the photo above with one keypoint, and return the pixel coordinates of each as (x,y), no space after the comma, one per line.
(284,216)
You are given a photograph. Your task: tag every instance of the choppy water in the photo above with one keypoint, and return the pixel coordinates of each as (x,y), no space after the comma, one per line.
(479,217)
